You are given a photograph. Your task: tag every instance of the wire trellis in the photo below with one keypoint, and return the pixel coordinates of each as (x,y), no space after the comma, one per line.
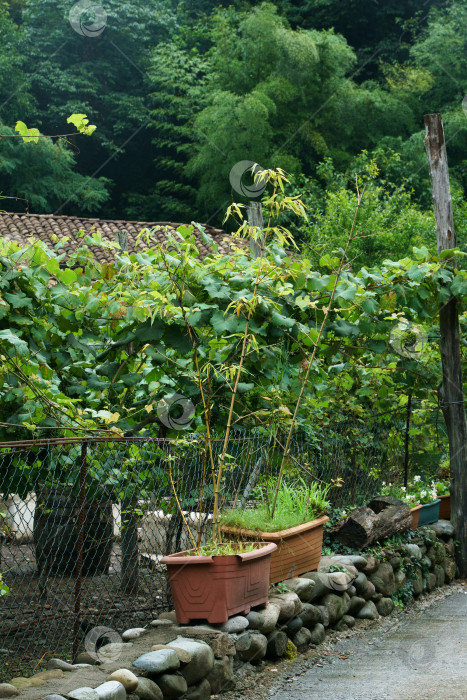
(85,522)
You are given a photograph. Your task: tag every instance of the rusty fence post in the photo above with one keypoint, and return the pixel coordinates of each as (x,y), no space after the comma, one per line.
(79,557)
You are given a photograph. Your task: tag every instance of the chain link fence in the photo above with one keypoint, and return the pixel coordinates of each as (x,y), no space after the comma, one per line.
(84,524)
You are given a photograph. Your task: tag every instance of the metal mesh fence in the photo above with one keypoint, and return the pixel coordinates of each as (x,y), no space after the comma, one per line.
(84,524)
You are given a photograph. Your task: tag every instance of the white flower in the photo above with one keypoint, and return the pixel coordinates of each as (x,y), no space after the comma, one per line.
(422,494)
(384,483)
(417,478)
(344,512)
(433,494)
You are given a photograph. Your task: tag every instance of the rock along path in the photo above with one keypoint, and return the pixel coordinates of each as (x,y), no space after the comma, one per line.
(422,659)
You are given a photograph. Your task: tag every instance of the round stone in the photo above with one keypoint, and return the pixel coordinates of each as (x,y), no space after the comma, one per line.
(302,639)
(290,605)
(148,690)
(413,550)
(385,606)
(8,691)
(168,616)
(126,678)
(303,587)
(257,648)
(234,625)
(368,612)
(277,644)
(183,655)
(156,662)
(255,620)
(111,690)
(443,529)
(83,693)
(133,633)
(349,620)
(318,634)
(59,664)
(361,583)
(310,615)
(271,615)
(202,659)
(162,623)
(293,626)
(172,685)
(85,658)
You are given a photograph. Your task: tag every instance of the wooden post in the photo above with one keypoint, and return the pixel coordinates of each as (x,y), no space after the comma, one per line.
(255,218)
(451,394)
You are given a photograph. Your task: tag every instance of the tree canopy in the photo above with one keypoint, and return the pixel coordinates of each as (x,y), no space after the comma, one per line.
(182,91)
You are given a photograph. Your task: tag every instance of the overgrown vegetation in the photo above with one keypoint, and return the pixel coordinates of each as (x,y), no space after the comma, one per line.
(198,86)
(296,503)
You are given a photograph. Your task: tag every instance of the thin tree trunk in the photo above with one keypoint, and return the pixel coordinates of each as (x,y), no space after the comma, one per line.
(451,393)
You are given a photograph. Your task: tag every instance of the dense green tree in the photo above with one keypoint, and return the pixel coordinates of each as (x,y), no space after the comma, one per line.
(102,76)
(376,30)
(39,177)
(177,78)
(284,98)
(15,96)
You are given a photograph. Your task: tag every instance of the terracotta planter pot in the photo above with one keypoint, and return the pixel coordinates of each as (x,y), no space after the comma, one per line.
(298,548)
(445,507)
(429,513)
(415,515)
(214,588)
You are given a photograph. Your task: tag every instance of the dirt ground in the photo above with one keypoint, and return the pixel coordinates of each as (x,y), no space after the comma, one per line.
(36,622)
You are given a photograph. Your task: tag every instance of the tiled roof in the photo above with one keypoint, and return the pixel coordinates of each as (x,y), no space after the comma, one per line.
(21,227)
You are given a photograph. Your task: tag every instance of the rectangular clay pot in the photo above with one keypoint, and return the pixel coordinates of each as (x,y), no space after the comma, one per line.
(445,507)
(429,513)
(415,515)
(215,587)
(298,548)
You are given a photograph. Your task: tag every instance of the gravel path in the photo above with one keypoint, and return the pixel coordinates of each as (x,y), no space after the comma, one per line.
(419,653)
(425,657)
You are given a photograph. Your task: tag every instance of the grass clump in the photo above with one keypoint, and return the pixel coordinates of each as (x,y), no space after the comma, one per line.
(210,550)
(297,503)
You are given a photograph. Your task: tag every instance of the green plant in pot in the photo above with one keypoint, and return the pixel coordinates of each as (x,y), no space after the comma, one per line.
(420,496)
(204,581)
(295,525)
(257,300)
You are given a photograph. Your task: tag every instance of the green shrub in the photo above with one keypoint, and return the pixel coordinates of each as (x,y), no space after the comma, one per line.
(297,503)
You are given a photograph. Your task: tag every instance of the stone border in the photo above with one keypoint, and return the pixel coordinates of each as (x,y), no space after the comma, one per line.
(193,662)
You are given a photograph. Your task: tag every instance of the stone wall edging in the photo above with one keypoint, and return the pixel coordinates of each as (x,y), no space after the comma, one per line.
(195,661)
